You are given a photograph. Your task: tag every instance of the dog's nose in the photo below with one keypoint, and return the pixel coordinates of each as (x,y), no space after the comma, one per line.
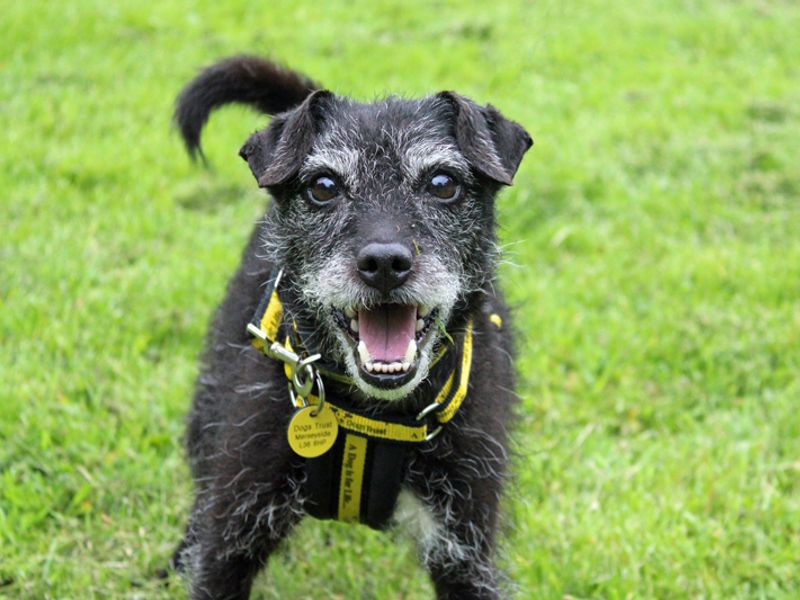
(384,266)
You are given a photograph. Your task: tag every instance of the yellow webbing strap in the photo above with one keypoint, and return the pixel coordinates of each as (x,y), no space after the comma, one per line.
(351,478)
(385,430)
(376,428)
(270,324)
(463,381)
(271,321)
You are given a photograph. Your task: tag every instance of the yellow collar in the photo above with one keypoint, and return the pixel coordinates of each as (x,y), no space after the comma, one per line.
(266,329)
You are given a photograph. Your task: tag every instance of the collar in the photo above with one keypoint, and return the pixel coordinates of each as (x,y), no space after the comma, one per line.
(277,334)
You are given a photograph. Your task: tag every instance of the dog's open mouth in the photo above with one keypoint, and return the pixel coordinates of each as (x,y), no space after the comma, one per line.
(387,339)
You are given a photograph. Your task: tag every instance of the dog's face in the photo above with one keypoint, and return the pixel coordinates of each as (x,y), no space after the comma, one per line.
(384,220)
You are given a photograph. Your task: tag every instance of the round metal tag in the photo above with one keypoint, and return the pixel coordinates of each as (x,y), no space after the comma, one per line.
(313,435)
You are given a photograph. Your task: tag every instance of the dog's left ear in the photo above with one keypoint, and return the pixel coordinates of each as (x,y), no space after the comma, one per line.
(275,154)
(493,144)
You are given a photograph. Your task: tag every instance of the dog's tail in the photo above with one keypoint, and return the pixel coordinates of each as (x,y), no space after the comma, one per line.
(245,79)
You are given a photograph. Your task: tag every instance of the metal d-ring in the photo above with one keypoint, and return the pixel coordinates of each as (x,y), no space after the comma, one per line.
(427,410)
(434,433)
(424,413)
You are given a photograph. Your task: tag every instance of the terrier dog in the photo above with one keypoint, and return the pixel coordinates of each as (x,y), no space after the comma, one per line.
(375,323)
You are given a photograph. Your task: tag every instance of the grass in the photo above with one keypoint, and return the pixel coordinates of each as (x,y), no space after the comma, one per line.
(653,246)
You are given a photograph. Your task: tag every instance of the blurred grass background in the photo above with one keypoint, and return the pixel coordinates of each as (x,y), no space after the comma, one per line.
(653,256)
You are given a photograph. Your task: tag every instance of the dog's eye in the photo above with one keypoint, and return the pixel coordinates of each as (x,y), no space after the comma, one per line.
(323,189)
(444,187)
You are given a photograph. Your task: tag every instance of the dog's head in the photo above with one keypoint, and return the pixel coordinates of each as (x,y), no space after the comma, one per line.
(384,220)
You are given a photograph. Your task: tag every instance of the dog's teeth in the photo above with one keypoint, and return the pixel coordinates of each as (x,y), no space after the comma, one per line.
(354,325)
(363,353)
(350,313)
(423,311)
(420,324)
(392,367)
(411,352)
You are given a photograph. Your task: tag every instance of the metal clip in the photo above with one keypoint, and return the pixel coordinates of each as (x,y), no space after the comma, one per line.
(305,388)
(304,374)
(277,351)
(293,397)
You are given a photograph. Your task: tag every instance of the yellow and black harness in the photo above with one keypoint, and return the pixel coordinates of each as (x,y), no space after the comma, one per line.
(358,474)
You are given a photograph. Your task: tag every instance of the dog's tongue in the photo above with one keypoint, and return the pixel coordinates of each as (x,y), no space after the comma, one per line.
(386,331)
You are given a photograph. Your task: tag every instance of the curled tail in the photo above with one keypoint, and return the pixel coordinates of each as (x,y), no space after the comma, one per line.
(245,79)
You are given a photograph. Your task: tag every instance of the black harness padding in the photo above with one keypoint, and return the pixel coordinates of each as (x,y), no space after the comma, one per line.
(386,466)
(321,485)
(383,474)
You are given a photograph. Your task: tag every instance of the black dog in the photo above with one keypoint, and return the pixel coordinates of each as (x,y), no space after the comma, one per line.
(377,253)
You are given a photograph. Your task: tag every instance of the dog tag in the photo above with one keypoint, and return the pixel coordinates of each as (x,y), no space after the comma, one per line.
(311,436)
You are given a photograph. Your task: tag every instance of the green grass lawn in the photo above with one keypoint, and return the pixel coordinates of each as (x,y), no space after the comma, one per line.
(653,256)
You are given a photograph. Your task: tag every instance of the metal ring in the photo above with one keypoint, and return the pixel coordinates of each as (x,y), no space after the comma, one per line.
(427,410)
(320,394)
(434,433)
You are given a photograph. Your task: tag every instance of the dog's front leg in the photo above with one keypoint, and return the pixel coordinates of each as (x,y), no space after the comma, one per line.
(461,564)
(455,521)
(227,577)
(233,530)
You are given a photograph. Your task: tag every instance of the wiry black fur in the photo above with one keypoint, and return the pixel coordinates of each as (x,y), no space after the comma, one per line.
(248,481)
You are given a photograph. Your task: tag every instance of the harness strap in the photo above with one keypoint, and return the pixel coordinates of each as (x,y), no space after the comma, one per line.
(359,478)
(448,398)
(388,427)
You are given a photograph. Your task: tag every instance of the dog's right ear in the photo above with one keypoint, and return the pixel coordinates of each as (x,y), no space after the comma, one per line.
(275,154)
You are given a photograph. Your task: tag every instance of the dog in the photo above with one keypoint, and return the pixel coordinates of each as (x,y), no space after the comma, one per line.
(366,299)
